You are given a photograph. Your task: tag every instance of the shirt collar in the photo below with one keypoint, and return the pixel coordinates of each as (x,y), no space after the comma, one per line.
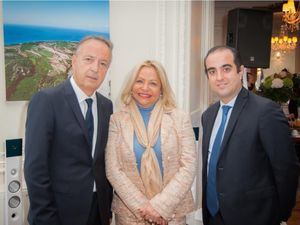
(81,96)
(230,103)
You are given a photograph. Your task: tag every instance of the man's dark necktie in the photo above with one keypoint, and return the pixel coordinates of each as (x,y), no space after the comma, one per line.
(89,120)
(211,190)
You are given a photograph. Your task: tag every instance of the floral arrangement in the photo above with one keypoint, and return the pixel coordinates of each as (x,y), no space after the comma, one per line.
(278,87)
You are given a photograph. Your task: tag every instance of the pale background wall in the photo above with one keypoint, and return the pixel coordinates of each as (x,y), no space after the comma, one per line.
(12,119)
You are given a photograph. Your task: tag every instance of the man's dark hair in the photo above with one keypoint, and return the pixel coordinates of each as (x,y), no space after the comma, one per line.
(235,53)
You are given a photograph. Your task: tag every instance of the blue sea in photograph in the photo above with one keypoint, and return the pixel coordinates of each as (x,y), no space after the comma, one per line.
(18,34)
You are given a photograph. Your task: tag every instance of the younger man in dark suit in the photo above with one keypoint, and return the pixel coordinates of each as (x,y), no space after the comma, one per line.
(250,169)
(66,134)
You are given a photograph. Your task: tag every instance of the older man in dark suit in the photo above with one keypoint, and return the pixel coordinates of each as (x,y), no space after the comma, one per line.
(66,134)
(250,169)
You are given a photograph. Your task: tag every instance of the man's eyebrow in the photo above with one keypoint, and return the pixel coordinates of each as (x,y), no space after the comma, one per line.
(88,55)
(211,68)
(226,65)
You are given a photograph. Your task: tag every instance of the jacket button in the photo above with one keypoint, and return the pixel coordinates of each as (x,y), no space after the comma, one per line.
(220,168)
(221,194)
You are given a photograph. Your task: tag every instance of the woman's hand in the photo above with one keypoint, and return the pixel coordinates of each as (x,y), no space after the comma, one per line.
(151,215)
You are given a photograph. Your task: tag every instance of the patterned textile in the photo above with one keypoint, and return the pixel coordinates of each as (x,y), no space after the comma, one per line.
(150,171)
(123,220)
(179,165)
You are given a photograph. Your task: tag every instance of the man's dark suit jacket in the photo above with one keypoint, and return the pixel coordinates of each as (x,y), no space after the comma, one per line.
(59,167)
(257,170)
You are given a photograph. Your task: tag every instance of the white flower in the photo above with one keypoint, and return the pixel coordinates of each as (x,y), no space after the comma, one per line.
(277,83)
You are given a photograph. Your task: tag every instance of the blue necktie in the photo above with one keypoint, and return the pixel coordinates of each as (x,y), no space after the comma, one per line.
(89,120)
(211,190)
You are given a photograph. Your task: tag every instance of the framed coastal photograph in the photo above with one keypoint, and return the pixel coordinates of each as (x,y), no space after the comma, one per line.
(39,40)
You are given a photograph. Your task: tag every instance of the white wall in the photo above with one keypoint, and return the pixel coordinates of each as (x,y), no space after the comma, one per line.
(132,29)
(139,30)
(196,61)
(12,120)
(12,114)
(202,39)
(151,30)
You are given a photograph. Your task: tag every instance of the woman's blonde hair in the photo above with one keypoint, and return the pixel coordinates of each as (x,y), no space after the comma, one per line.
(167,95)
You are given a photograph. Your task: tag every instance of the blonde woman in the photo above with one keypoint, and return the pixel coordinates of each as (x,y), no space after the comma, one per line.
(150,154)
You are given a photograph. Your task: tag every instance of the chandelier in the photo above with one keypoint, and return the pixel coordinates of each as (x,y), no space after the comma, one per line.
(283,42)
(290,16)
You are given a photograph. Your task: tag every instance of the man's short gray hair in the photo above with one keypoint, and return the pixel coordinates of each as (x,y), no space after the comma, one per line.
(97,38)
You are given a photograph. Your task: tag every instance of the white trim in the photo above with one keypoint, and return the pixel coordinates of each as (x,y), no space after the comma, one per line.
(2,163)
(161,31)
(207,34)
(173,21)
(183,59)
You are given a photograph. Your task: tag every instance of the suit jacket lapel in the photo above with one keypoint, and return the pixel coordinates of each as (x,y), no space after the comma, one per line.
(100,114)
(209,127)
(236,111)
(73,102)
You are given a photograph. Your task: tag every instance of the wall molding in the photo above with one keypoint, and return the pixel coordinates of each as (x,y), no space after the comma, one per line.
(160,52)
(2,163)
(183,56)
(207,34)
(173,22)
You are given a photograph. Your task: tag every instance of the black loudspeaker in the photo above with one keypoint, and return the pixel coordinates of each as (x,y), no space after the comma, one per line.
(13,182)
(250,32)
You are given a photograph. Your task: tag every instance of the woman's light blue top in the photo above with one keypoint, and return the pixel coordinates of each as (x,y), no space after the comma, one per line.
(139,149)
